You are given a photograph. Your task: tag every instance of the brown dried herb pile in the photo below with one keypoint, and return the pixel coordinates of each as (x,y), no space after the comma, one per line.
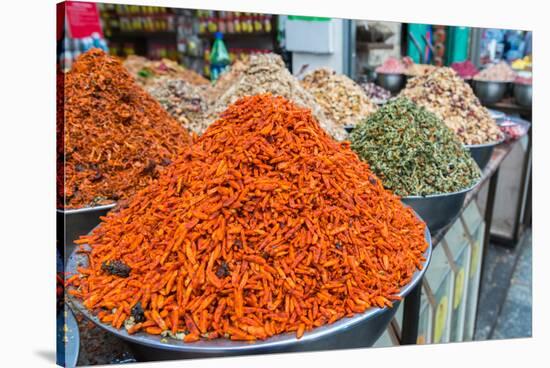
(445,94)
(117,137)
(265,225)
(342,100)
(148,72)
(266,73)
(185,102)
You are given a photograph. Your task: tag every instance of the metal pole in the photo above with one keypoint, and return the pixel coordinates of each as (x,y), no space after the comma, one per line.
(488,220)
(411,311)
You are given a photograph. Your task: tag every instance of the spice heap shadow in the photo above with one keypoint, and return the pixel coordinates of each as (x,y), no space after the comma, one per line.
(448,96)
(267,73)
(264,226)
(413,152)
(117,138)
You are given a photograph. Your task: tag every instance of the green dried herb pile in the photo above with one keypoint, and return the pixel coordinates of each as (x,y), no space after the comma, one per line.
(412,151)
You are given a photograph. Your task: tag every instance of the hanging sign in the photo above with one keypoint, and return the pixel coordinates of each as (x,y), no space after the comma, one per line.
(83,19)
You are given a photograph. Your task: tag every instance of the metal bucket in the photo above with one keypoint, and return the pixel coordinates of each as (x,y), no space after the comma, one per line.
(489,92)
(481,153)
(438,210)
(393,82)
(361,330)
(523,94)
(79,222)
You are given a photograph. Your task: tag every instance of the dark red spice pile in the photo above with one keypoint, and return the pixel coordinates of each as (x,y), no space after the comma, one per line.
(117,138)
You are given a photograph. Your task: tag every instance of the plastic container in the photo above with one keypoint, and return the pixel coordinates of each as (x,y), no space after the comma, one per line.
(219,58)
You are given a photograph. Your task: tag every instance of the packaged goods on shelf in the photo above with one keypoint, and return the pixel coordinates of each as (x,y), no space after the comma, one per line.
(445,94)
(238,228)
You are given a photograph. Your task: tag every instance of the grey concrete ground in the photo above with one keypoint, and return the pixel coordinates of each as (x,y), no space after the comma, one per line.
(505,309)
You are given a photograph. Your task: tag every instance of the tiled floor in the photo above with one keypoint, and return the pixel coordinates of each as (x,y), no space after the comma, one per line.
(505,305)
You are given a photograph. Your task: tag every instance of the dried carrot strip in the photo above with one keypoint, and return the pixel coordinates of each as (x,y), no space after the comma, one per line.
(247,236)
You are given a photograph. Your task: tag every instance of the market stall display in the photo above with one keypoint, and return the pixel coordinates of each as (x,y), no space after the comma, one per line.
(445,94)
(147,72)
(116,138)
(267,73)
(413,151)
(342,100)
(184,101)
(249,234)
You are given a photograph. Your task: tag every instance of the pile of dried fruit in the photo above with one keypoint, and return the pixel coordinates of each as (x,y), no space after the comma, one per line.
(149,72)
(185,102)
(264,226)
(267,73)
(116,137)
(500,72)
(375,93)
(466,69)
(413,69)
(445,94)
(226,80)
(391,66)
(413,152)
(342,100)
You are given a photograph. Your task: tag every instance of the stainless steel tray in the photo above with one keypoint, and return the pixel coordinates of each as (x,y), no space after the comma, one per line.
(68,339)
(361,330)
(438,210)
(79,222)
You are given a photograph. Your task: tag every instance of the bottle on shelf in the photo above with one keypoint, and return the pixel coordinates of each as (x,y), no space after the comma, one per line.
(219,57)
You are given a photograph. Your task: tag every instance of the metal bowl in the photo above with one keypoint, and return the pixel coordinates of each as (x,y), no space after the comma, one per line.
(79,222)
(481,153)
(489,92)
(361,330)
(68,339)
(393,82)
(438,210)
(523,93)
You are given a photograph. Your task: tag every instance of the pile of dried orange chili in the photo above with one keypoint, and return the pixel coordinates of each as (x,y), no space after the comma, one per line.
(116,137)
(265,225)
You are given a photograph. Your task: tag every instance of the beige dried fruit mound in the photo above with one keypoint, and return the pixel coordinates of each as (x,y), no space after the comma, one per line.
(342,100)
(266,73)
(185,102)
(445,94)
